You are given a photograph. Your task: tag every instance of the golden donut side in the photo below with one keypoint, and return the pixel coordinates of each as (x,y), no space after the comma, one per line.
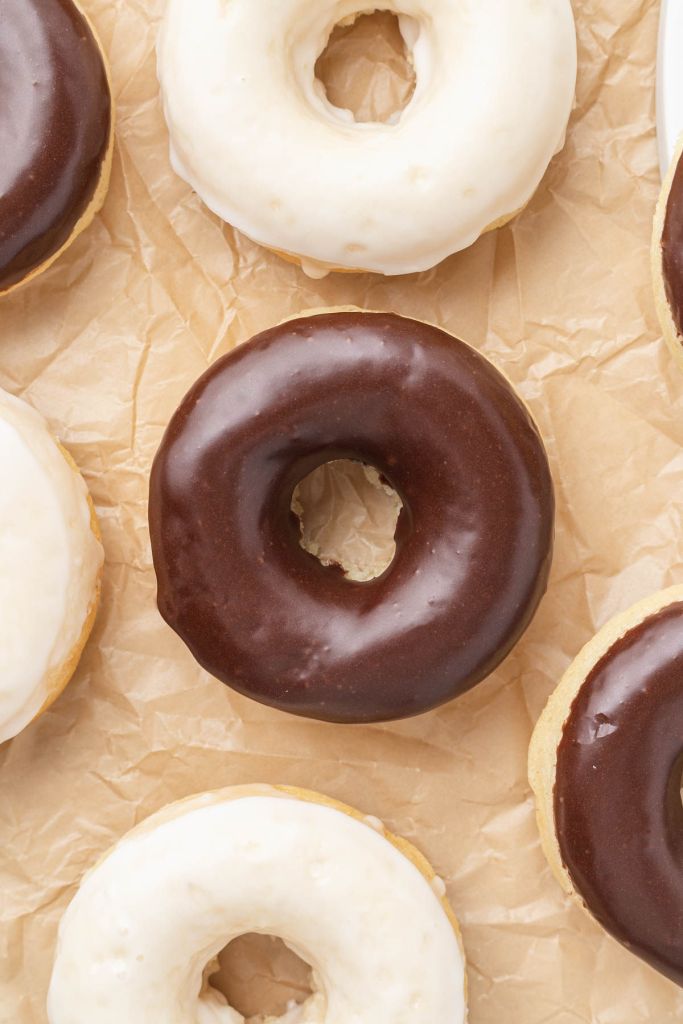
(100,194)
(59,676)
(550,726)
(669,329)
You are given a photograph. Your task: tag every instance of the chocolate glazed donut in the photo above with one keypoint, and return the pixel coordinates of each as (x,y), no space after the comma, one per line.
(474,537)
(617,798)
(672,248)
(55,130)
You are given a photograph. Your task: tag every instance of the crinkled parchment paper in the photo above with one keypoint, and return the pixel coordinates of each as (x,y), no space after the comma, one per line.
(107,343)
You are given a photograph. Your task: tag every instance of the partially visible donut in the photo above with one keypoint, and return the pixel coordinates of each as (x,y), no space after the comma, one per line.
(50,564)
(605,764)
(474,538)
(56,133)
(255,135)
(138,942)
(667,256)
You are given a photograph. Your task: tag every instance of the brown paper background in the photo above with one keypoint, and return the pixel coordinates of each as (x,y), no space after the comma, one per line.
(108,341)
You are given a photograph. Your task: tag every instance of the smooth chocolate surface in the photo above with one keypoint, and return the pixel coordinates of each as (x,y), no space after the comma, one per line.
(474,538)
(55,124)
(618,806)
(672,248)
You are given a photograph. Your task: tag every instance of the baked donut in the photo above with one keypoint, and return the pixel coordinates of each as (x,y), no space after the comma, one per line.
(252,130)
(474,537)
(667,256)
(605,765)
(56,134)
(138,942)
(50,563)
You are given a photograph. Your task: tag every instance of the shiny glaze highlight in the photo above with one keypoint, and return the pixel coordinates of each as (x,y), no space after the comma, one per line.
(55,125)
(474,538)
(618,810)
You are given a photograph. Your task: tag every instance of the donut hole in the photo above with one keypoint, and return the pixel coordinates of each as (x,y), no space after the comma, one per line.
(366,68)
(261,977)
(348,515)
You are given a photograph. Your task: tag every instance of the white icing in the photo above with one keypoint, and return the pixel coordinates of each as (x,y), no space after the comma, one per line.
(49,561)
(254,134)
(316,271)
(375,823)
(136,940)
(439,886)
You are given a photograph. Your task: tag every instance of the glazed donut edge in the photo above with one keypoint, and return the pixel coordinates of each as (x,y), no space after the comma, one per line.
(59,677)
(27,699)
(549,730)
(101,188)
(672,337)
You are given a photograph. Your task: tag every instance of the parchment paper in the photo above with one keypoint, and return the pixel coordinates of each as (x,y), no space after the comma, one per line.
(107,343)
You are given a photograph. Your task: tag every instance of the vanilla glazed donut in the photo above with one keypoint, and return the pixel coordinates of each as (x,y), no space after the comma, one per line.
(667,256)
(605,765)
(254,134)
(56,133)
(50,565)
(139,940)
(473,540)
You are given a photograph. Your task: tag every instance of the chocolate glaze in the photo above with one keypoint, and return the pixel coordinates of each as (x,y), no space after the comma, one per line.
(55,125)
(672,248)
(474,538)
(618,808)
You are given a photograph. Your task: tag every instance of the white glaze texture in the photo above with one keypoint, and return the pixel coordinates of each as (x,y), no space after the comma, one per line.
(49,563)
(253,132)
(135,943)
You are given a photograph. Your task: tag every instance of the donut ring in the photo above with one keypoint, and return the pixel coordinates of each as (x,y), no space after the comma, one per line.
(365,909)
(50,566)
(605,764)
(56,133)
(254,134)
(474,538)
(667,256)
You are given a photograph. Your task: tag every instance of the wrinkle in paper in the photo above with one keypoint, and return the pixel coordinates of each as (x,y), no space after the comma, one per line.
(107,343)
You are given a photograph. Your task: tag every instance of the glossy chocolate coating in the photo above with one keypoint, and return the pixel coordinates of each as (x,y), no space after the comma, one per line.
(55,124)
(672,248)
(618,808)
(474,537)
